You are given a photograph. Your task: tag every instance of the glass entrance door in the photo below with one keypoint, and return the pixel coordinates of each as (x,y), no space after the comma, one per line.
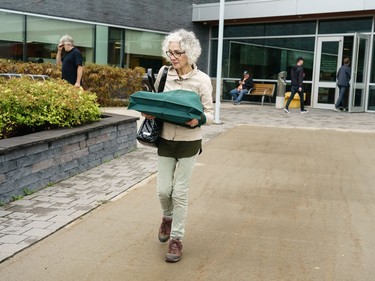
(329,54)
(359,73)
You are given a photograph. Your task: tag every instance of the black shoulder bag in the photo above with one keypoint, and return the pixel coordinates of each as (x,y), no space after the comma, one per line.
(150,130)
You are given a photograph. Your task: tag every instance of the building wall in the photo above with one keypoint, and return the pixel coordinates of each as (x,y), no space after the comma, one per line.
(160,16)
(154,15)
(209,10)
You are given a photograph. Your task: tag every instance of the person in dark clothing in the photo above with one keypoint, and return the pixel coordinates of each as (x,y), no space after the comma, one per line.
(72,61)
(343,78)
(296,76)
(245,84)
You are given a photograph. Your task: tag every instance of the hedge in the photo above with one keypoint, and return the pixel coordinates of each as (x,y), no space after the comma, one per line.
(112,85)
(28,106)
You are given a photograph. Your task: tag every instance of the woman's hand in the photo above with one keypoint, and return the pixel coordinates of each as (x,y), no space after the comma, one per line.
(147,116)
(192,123)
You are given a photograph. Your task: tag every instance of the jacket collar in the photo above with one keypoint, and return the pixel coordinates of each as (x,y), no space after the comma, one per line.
(173,73)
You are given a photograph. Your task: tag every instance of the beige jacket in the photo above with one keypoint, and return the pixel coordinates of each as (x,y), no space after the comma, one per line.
(198,82)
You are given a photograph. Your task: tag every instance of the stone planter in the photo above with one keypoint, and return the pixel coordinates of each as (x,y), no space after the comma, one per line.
(32,162)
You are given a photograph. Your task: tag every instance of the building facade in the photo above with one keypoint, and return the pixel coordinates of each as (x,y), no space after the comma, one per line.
(121,33)
(263,37)
(267,36)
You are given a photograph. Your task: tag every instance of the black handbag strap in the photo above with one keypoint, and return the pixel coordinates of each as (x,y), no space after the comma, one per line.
(163,79)
(151,79)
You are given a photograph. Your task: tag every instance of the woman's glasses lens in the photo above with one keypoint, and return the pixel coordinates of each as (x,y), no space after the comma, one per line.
(176,54)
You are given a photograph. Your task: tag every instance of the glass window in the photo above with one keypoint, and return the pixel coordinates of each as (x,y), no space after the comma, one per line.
(345,25)
(265,58)
(372,70)
(101,46)
(269,29)
(11,36)
(143,49)
(371,98)
(44,34)
(115,47)
(294,28)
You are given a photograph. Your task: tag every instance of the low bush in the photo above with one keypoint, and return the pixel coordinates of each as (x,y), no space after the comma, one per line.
(112,85)
(10,66)
(28,106)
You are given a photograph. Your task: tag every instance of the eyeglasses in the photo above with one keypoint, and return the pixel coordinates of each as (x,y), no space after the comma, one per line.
(176,54)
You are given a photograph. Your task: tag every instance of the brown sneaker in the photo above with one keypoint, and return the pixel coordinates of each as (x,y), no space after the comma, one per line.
(165,229)
(174,254)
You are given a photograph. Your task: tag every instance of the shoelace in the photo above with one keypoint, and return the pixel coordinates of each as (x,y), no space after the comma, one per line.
(174,247)
(166,225)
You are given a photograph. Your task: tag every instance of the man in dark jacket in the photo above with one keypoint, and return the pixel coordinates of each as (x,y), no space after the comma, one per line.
(296,77)
(244,86)
(343,78)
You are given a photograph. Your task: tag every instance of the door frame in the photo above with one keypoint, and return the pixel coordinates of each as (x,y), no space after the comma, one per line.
(354,85)
(331,84)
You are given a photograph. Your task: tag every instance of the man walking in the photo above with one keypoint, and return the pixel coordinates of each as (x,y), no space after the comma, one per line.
(296,76)
(343,78)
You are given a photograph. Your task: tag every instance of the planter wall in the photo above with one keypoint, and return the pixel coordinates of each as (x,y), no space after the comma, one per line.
(31,162)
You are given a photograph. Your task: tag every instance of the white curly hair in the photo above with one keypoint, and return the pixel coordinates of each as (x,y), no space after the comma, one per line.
(67,39)
(188,43)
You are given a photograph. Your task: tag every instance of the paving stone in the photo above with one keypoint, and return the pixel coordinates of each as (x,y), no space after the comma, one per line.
(4,213)
(7,249)
(15,222)
(30,240)
(4,255)
(43,205)
(38,232)
(23,202)
(19,215)
(65,219)
(12,239)
(62,212)
(39,224)
(80,213)
(16,230)
(56,225)
(40,217)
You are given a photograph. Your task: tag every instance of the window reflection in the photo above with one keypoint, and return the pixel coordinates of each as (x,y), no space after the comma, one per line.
(11,36)
(371,98)
(11,50)
(143,49)
(44,34)
(264,57)
(345,25)
(115,47)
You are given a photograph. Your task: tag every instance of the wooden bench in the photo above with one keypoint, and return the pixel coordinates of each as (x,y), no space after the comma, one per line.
(264,90)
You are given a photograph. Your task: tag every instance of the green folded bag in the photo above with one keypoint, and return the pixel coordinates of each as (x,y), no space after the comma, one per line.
(177,106)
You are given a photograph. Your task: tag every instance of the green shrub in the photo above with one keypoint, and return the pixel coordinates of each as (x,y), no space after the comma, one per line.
(10,66)
(112,85)
(27,106)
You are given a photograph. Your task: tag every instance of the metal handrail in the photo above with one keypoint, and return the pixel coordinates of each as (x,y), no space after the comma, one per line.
(17,75)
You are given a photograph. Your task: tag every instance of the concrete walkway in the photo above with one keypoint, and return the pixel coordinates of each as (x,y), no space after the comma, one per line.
(270,200)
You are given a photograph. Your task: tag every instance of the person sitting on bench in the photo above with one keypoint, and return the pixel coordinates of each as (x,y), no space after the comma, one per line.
(244,85)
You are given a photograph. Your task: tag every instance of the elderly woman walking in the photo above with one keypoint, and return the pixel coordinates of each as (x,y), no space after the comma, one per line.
(179,145)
